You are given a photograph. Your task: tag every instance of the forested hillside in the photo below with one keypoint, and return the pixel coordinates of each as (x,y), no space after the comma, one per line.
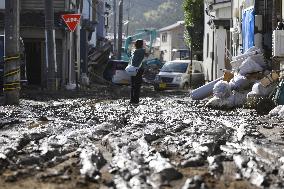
(151,13)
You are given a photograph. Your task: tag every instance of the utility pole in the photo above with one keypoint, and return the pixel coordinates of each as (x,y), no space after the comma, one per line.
(50,45)
(120,18)
(114,26)
(128,17)
(12,54)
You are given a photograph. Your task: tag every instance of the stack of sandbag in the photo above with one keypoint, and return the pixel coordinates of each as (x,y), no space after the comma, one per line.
(234,93)
(259,90)
(224,97)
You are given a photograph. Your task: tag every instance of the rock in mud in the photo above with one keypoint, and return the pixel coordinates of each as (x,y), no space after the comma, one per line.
(196,161)
(194,183)
(29,160)
(92,161)
(164,169)
(215,164)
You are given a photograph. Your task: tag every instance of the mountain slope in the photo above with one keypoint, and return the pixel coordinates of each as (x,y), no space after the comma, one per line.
(151,13)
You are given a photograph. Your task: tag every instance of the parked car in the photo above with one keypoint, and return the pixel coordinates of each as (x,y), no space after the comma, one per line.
(177,75)
(115,72)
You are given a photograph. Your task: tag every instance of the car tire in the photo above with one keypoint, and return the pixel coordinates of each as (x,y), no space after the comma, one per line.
(156,88)
(185,86)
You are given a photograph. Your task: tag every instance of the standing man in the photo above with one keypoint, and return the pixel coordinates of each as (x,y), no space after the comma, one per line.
(136,81)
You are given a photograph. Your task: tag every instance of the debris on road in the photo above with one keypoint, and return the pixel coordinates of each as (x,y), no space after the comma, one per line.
(252,85)
(168,140)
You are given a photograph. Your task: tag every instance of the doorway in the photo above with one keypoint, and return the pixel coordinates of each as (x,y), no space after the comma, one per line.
(34,59)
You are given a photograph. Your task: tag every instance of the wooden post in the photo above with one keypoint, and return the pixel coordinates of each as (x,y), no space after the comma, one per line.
(12,54)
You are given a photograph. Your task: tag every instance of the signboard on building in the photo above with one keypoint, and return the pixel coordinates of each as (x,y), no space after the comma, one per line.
(71,20)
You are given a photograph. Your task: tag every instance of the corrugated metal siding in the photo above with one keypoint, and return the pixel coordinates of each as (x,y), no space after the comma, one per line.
(59,5)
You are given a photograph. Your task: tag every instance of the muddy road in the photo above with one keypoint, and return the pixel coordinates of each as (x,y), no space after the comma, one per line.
(98,140)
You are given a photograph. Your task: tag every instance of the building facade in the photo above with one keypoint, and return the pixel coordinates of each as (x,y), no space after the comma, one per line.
(233,26)
(172,39)
(217,42)
(71,47)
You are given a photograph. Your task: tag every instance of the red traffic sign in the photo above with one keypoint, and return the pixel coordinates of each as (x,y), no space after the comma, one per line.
(71,20)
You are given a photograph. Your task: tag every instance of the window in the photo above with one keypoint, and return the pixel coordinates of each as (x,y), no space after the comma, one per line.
(164,37)
(175,67)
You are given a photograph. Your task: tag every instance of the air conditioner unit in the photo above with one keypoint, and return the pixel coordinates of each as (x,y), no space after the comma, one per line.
(278,43)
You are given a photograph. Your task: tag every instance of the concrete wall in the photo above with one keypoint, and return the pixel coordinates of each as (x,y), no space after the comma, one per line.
(215,42)
(207,46)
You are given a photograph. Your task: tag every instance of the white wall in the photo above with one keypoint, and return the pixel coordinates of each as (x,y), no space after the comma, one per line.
(221,41)
(220,37)
(224,12)
(166,46)
(207,45)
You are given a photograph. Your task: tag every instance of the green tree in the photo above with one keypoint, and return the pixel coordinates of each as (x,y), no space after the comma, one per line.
(194,22)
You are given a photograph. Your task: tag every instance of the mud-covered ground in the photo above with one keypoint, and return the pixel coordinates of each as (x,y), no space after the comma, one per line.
(95,139)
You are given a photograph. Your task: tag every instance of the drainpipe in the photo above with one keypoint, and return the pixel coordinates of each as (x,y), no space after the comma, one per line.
(213,53)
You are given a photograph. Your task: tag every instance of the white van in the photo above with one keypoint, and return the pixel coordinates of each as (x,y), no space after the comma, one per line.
(177,74)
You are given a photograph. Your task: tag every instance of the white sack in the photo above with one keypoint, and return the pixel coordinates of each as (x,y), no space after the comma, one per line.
(249,66)
(235,100)
(278,111)
(222,89)
(259,90)
(239,82)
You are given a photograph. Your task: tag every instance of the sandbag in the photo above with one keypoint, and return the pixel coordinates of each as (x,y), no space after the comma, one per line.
(249,66)
(222,89)
(277,111)
(259,90)
(240,83)
(204,91)
(236,99)
(258,57)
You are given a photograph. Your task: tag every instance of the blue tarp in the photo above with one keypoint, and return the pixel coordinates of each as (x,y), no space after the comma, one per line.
(248,29)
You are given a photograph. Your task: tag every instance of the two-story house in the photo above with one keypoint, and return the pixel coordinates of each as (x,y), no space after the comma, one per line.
(32,31)
(71,47)
(171,39)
